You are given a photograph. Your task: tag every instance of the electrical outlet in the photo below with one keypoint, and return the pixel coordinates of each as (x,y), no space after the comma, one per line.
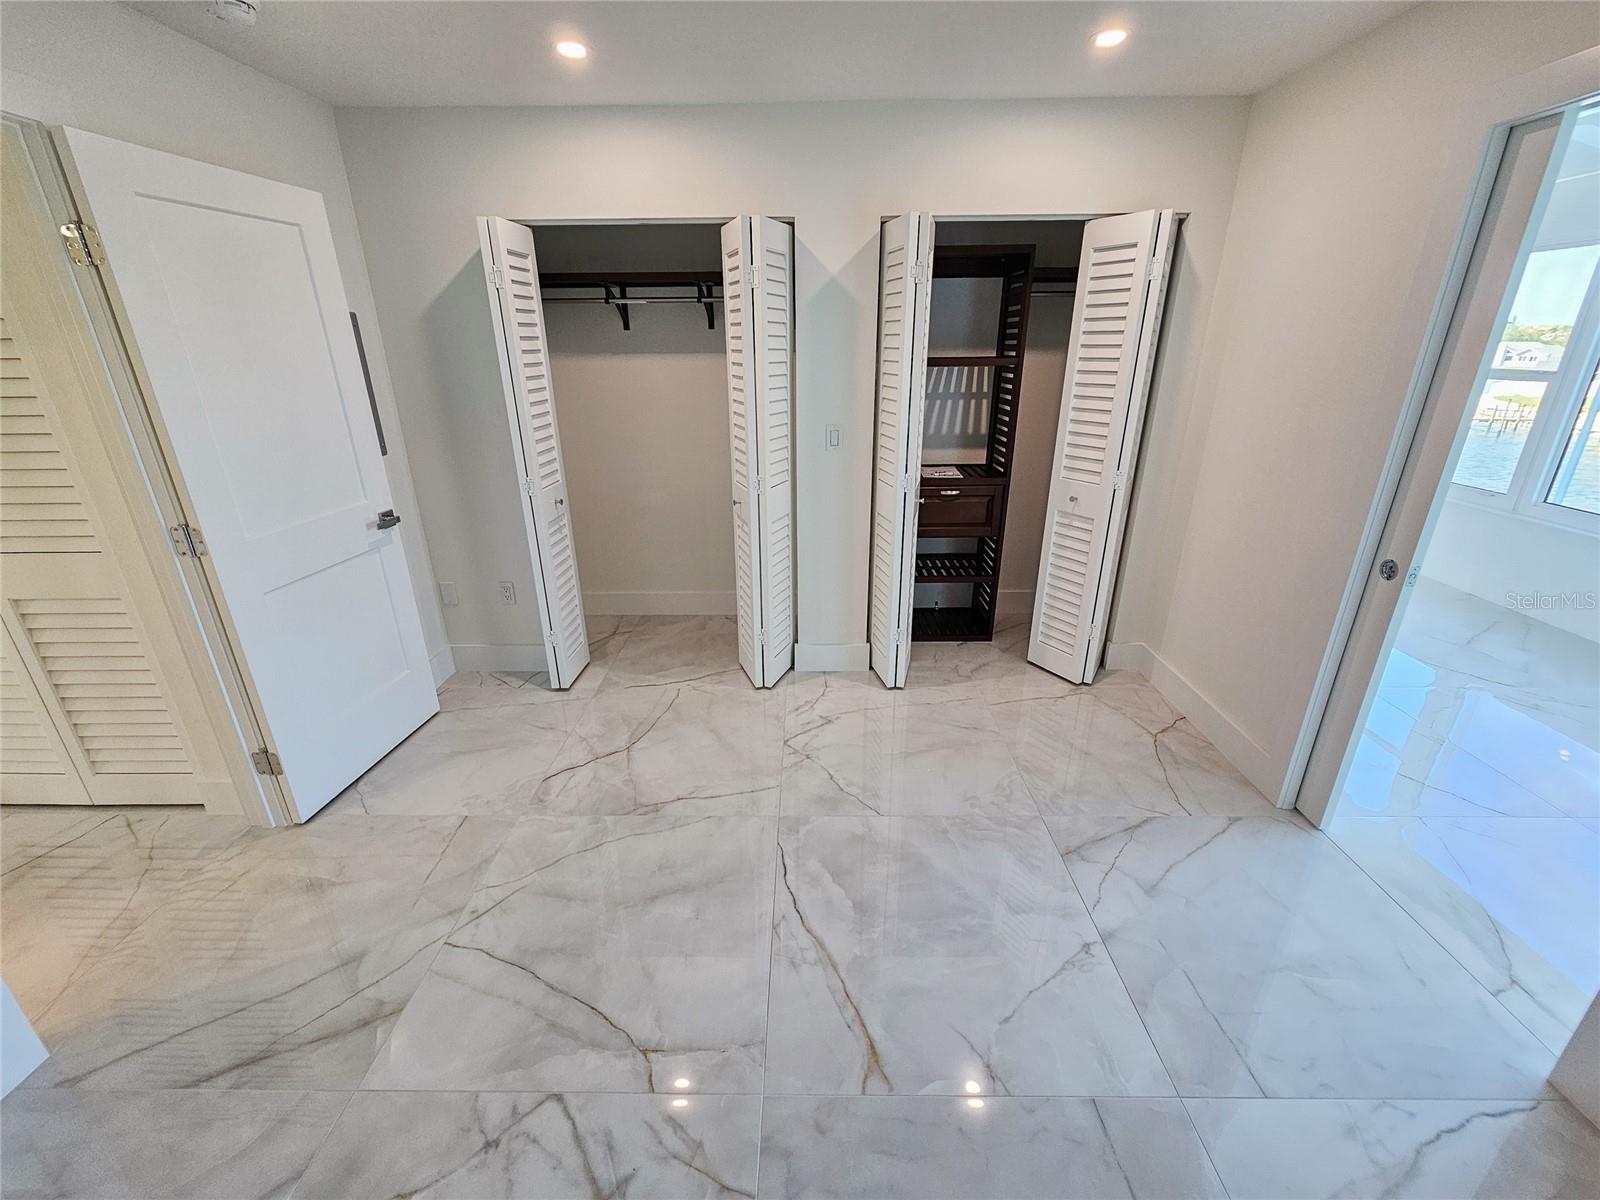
(449,594)
(508,592)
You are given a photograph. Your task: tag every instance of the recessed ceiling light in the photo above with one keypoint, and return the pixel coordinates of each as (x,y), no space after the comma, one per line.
(572,50)
(1108,38)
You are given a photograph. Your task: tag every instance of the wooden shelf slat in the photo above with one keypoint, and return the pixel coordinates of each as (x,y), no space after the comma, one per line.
(951,568)
(974,360)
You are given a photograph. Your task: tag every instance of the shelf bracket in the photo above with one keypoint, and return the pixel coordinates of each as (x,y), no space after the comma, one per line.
(703,292)
(617,294)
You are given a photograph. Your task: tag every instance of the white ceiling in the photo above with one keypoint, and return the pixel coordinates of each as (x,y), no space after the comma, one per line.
(384,53)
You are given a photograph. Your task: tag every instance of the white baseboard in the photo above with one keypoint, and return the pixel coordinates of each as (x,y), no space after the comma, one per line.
(828,656)
(478,656)
(1014,600)
(1233,743)
(443,665)
(658,604)
(1130,656)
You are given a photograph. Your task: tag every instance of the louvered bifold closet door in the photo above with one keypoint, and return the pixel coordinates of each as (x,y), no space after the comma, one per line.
(772,322)
(1116,318)
(512,272)
(35,766)
(904,287)
(739,307)
(92,677)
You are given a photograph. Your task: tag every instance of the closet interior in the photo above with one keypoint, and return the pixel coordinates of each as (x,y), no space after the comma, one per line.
(638,363)
(646,369)
(1001,309)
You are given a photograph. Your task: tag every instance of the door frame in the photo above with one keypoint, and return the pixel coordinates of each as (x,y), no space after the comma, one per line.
(1369,606)
(144,465)
(536,223)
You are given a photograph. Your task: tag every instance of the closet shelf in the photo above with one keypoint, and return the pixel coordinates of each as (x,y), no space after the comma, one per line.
(952,568)
(614,287)
(950,624)
(974,360)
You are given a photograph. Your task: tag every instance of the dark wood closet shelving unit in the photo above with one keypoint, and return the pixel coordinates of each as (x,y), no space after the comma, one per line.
(973,507)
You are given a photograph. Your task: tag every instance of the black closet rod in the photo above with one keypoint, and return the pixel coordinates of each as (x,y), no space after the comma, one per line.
(615,287)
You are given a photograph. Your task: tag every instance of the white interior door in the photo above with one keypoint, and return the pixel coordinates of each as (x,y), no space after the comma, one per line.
(758,308)
(230,288)
(905,277)
(512,273)
(1116,319)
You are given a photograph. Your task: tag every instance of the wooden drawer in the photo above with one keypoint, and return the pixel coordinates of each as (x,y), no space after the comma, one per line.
(961,508)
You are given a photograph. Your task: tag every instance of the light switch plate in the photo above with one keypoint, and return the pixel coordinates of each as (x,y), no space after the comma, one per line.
(834,437)
(449,594)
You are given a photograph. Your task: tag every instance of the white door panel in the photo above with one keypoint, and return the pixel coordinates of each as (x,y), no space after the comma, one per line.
(512,273)
(230,287)
(758,307)
(904,291)
(1116,318)
(773,251)
(738,309)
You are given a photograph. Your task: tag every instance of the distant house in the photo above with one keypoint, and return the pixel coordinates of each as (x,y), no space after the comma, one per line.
(1529,356)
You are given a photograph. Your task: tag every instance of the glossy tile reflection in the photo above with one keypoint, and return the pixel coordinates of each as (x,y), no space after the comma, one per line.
(914,956)
(663,935)
(1471,798)
(538,1147)
(600,954)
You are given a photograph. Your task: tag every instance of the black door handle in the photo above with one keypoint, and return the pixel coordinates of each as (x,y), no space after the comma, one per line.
(387,519)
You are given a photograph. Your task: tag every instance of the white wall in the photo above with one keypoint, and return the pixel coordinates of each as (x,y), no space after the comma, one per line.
(1337,189)
(110,70)
(644,431)
(419,177)
(1577,1073)
(1494,555)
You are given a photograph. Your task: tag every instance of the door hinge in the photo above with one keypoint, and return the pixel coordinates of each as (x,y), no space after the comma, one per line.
(83,244)
(1118,480)
(497,277)
(919,272)
(528,486)
(761,637)
(266,762)
(187,541)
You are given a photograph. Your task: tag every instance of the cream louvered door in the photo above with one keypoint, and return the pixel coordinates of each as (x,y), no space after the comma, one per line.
(35,767)
(904,289)
(512,272)
(758,306)
(738,304)
(98,703)
(1116,319)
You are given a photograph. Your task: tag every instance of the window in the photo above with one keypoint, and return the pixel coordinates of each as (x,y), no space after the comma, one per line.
(1577,481)
(1531,442)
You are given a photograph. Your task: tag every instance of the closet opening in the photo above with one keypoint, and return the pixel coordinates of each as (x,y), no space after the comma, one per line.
(647,371)
(1014,359)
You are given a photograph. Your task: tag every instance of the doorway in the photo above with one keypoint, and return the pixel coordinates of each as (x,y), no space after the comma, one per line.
(974,498)
(1470,788)
(678,406)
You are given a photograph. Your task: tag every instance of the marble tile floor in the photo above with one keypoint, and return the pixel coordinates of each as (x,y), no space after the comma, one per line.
(992,937)
(1473,797)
